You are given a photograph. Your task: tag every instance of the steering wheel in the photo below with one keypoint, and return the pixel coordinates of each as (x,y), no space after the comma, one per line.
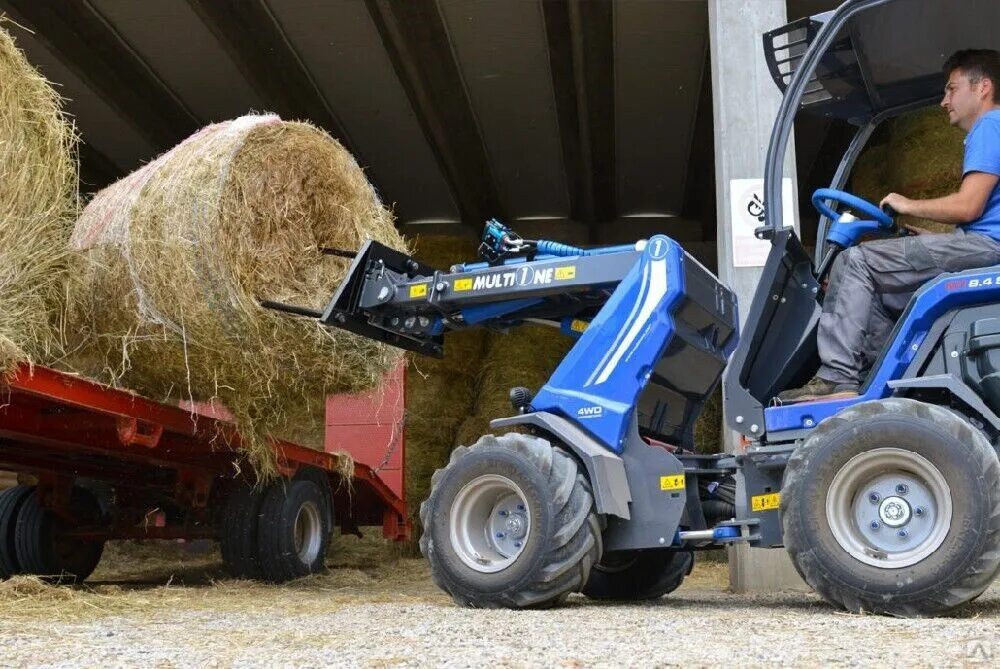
(870,211)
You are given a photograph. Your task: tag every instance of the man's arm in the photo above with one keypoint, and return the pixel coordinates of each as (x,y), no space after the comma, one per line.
(964,206)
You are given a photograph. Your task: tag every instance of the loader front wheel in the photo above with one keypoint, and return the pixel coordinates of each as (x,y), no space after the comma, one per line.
(638,575)
(893,507)
(510,523)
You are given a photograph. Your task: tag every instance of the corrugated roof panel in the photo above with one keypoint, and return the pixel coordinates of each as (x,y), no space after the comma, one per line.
(177,46)
(501,50)
(342,50)
(659,59)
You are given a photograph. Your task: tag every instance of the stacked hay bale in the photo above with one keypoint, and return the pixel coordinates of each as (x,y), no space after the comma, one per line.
(174,258)
(440,393)
(526,357)
(38,201)
(920,157)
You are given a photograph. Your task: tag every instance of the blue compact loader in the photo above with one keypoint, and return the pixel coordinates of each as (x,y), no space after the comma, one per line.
(886,502)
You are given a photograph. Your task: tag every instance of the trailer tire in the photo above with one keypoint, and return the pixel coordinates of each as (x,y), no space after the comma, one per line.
(11,500)
(537,503)
(937,475)
(322,480)
(638,575)
(292,531)
(43,551)
(238,531)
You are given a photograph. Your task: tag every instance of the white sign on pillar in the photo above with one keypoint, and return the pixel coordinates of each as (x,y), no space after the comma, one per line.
(746,203)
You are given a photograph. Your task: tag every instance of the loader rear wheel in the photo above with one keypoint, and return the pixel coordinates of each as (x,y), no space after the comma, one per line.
(510,523)
(43,547)
(11,500)
(638,575)
(893,506)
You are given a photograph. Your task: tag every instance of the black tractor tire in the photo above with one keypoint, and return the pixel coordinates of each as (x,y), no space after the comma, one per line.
(293,533)
(11,500)
(557,553)
(638,575)
(42,547)
(949,575)
(238,531)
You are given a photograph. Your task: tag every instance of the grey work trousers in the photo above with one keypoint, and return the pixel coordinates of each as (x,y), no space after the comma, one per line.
(870,286)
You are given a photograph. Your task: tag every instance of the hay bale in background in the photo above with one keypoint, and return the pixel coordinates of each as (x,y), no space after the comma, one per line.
(38,200)
(526,357)
(920,158)
(925,160)
(440,393)
(174,258)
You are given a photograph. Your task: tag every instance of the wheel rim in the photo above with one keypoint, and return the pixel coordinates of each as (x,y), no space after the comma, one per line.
(308,533)
(889,508)
(490,524)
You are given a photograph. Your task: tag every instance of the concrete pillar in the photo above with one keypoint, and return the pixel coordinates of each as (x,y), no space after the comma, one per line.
(745,102)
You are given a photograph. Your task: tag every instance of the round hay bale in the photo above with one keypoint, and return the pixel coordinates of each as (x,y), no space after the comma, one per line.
(38,201)
(926,160)
(175,256)
(868,179)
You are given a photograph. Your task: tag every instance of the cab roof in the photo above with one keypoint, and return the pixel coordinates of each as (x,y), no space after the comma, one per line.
(885,58)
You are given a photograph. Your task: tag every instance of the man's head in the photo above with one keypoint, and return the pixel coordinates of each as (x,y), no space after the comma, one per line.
(972,88)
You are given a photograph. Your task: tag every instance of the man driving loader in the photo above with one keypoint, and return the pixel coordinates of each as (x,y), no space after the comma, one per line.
(870,281)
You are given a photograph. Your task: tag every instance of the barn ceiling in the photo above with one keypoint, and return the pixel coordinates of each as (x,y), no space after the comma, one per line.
(594,112)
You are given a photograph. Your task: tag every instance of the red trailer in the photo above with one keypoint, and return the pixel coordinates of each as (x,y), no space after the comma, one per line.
(110,464)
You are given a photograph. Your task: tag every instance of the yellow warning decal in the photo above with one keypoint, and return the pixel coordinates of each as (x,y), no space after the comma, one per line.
(768,502)
(563,273)
(576,325)
(418,290)
(673,482)
(462,284)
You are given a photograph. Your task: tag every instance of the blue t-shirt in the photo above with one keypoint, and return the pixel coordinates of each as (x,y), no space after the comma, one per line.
(982,154)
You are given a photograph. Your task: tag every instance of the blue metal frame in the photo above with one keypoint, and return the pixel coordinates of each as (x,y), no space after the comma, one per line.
(947,292)
(598,382)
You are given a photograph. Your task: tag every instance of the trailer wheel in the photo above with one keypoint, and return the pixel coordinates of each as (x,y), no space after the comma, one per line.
(322,480)
(42,547)
(293,532)
(510,522)
(893,507)
(238,531)
(11,500)
(638,575)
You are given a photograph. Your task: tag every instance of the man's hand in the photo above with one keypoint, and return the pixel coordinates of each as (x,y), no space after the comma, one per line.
(902,205)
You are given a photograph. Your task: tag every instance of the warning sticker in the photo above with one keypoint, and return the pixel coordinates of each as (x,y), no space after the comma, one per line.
(563,273)
(462,284)
(768,502)
(576,325)
(418,290)
(673,482)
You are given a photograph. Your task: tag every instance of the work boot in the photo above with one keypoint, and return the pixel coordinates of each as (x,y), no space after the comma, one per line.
(819,389)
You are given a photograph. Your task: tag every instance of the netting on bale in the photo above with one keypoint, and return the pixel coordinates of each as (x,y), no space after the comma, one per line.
(174,258)
(38,201)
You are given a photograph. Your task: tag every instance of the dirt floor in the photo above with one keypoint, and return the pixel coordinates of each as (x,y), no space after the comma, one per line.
(160,605)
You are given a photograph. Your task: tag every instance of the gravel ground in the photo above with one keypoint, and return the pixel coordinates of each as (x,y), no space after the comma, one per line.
(373,610)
